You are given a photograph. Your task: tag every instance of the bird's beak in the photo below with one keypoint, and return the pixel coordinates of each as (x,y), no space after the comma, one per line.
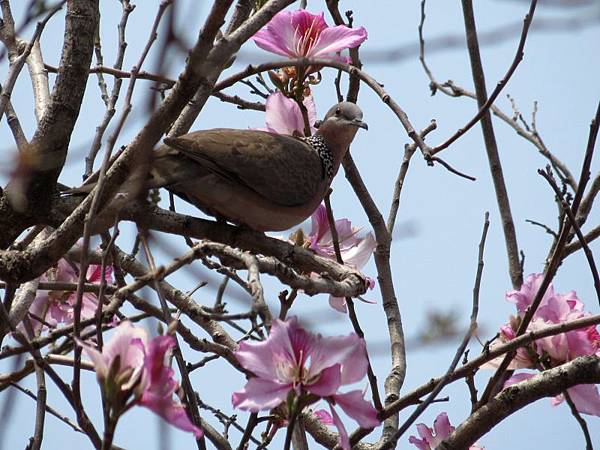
(360,124)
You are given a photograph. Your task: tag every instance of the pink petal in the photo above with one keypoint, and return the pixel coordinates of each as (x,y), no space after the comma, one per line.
(94,273)
(120,344)
(319,225)
(442,426)
(358,408)
(311,112)
(172,412)
(421,444)
(259,394)
(98,360)
(517,378)
(349,351)
(328,383)
(585,397)
(344,441)
(338,303)
(324,417)
(279,35)
(263,358)
(358,256)
(335,39)
(283,115)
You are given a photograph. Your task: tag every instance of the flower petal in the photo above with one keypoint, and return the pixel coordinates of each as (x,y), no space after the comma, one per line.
(262,358)
(349,351)
(328,383)
(335,39)
(358,408)
(338,303)
(259,394)
(585,397)
(172,412)
(283,115)
(324,417)
(279,35)
(344,441)
(358,256)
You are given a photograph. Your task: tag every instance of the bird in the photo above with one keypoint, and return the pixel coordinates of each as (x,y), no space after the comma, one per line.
(263,180)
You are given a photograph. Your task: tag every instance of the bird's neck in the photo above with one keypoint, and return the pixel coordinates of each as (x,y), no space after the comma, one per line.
(337,140)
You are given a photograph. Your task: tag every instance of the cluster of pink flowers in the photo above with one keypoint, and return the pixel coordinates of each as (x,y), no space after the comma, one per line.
(131,369)
(555,350)
(295,367)
(53,307)
(431,438)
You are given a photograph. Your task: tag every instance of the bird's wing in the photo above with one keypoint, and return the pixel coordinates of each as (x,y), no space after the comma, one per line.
(283,169)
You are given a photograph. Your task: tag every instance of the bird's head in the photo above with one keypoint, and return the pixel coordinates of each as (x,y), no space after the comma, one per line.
(339,127)
(343,115)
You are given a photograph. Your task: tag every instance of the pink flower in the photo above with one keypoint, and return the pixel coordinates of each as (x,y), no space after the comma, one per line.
(308,366)
(298,34)
(441,428)
(551,351)
(53,307)
(324,417)
(132,364)
(160,386)
(283,115)
(355,250)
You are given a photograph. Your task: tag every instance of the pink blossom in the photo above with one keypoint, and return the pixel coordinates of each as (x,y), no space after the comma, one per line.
(135,366)
(551,351)
(298,34)
(160,386)
(431,438)
(324,417)
(53,307)
(295,362)
(283,115)
(355,250)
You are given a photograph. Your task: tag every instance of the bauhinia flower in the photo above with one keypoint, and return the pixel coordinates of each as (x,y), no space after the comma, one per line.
(283,115)
(554,350)
(431,438)
(299,367)
(53,307)
(131,371)
(300,34)
(355,250)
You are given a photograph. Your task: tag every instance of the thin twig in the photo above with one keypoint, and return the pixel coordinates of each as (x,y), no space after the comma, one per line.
(461,348)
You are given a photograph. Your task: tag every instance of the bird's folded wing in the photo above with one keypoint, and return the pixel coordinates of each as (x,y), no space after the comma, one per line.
(283,169)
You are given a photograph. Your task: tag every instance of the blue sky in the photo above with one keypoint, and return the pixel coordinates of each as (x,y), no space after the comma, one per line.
(434,266)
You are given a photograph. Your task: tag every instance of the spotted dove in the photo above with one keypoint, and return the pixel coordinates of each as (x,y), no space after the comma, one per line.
(267,181)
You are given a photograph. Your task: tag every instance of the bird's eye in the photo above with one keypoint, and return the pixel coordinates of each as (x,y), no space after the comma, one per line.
(338,112)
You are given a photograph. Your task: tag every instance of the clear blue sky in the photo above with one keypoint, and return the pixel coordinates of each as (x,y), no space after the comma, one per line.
(434,268)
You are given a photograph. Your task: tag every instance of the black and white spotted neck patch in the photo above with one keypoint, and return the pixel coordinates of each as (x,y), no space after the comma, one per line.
(318,143)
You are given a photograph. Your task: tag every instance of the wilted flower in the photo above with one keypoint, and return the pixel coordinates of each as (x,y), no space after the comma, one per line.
(554,350)
(431,438)
(298,34)
(283,115)
(131,368)
(298,366)
(355,250)
(53,307)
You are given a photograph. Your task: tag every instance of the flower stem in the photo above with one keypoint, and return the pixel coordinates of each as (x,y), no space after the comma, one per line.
(109,433)
(290,429)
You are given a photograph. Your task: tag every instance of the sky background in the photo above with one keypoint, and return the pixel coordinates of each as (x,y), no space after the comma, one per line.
(441,215)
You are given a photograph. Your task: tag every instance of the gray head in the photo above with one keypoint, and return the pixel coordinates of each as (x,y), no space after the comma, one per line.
(344,114)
